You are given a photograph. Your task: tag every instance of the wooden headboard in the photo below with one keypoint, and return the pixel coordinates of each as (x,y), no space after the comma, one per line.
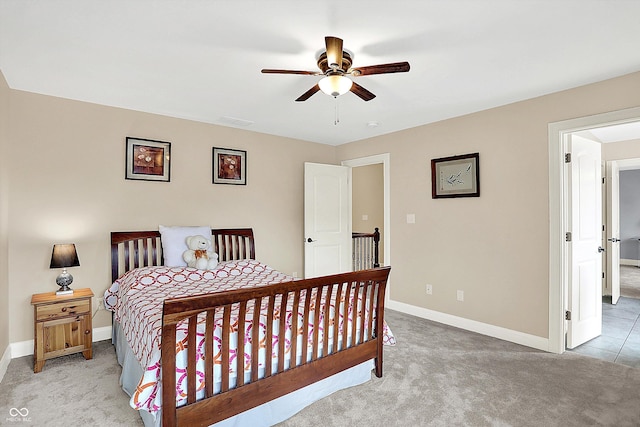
(133,249)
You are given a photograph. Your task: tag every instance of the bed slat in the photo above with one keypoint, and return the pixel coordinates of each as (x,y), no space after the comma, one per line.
(305,325)
(240,353)
(255,339)
(192,358)
(295,327)
(226,327)
(282,327)
(326,326)
(208,354)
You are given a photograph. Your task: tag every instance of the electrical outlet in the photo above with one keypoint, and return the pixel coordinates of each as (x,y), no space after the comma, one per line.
(460,295)
(429,290)
(101,304)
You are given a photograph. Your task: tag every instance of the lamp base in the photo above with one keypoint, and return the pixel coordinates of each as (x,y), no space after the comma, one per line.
(64,280)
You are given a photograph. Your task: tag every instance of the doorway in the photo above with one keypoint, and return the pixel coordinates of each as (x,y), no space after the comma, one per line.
(629,227)
(384,160)
(617,337)
(558,253)
(367,204)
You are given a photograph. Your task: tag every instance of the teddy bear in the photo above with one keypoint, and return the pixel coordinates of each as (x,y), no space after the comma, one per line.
(199,254)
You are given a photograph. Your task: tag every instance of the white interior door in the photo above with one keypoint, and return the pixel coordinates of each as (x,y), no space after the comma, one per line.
(327,219)
(613,230)
(585,247)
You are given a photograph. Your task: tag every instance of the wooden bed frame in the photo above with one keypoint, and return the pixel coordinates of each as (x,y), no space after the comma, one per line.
(362,342)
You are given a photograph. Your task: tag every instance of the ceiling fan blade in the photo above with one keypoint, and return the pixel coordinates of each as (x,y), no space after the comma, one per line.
(396,67)
(334,51)
(307,73)
(308,93)
(363,93)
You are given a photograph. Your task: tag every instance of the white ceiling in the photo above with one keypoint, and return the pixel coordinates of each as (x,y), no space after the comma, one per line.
(201,59)
(616,133)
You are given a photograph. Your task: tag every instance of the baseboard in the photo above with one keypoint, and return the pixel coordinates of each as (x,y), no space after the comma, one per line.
(633,262)
(472,325)
(4,362)
(102,333)
(25,348)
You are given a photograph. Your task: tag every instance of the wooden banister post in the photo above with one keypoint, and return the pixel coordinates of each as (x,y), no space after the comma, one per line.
(376,241)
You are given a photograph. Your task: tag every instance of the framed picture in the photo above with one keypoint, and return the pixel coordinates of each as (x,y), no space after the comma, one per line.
(148,160)
(229,166)
(456,176)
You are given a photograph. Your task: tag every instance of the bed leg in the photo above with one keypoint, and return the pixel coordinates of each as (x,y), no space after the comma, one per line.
(379,367)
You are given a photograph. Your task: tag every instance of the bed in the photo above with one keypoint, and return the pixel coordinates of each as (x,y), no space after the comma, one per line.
(331,337)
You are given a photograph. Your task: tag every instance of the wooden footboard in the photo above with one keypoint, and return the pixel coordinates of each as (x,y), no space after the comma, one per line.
(328,345)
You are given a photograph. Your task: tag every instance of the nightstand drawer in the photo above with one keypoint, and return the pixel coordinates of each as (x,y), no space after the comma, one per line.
(62,309)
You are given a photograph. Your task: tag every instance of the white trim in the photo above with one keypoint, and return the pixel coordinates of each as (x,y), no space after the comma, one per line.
(557,213)
(101,334)
(25,348)
(472,325)
(21,348)
(628,164)
(632,262)
(4,362)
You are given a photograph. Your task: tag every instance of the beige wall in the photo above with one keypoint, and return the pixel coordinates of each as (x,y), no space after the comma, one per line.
(621,150)
(495,248)
(368,199)
(66,164)
(4,211)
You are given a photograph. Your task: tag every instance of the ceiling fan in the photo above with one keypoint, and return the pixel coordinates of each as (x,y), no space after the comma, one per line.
(335,65)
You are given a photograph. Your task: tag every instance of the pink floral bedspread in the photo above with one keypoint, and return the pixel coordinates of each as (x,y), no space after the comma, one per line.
(136,299)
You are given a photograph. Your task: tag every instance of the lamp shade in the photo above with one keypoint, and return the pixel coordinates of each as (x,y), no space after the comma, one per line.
(64,256)
(335,85)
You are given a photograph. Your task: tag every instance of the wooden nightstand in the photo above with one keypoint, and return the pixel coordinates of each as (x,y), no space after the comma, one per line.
(62,325)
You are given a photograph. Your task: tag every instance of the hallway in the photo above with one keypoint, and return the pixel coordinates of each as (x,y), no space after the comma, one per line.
(620,339)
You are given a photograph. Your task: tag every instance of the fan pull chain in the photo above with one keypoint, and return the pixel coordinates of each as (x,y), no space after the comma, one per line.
(336,118)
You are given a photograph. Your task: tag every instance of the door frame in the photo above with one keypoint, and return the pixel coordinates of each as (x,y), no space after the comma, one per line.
(558,254)
(385,160)
(611,205)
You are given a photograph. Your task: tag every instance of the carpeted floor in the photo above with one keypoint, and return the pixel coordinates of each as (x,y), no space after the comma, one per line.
(435,376)
(70,391)
(630,281)
(442,376)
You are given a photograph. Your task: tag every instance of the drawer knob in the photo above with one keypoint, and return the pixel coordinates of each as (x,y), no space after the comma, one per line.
(64,309)
(87,332)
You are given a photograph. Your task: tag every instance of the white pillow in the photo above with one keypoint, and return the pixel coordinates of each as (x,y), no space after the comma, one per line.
(174,242)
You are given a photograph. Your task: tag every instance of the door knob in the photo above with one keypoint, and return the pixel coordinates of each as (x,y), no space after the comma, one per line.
(600,249)
(309,240)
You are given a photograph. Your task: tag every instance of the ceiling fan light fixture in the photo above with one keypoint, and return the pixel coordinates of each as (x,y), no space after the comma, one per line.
(335,85)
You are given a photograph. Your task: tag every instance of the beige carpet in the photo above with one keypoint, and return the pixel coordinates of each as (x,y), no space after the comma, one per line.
(630,282)
(442,376)
(70,391)
(435,376)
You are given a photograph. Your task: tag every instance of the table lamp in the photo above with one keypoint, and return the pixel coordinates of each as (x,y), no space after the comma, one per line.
(64,256)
